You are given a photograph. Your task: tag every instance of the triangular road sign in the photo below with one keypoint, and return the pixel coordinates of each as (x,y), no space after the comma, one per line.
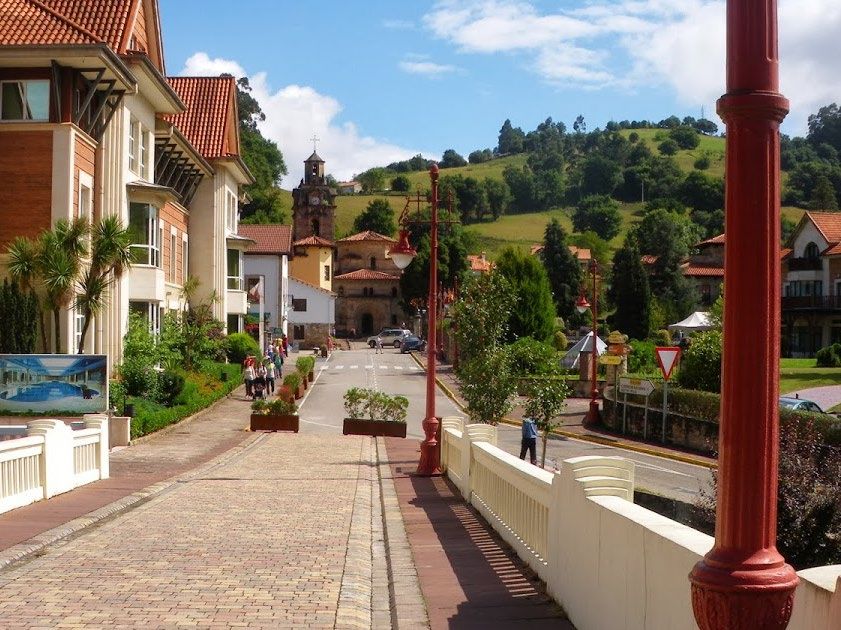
(667,359)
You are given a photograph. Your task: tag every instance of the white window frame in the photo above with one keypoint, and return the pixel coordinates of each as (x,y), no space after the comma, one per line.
(78,324)
(173,251)
(24,83)
(153,256)
(235,283)
(133,139)
(231,212)
(85,210)
(143,161)
(153,315)
(185,253)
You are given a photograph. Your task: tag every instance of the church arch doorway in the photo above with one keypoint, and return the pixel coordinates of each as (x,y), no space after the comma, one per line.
(367,324)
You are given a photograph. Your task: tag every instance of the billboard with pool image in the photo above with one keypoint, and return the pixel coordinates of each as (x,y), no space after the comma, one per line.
(61,384)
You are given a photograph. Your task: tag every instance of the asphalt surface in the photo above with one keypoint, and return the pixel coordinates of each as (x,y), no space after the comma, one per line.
(322,412)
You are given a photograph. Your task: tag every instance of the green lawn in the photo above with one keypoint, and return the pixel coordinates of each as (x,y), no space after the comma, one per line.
(711,146)
(802,374)
(492,169)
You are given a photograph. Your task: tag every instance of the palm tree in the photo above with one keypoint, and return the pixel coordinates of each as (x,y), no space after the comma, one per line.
(110,257)
(23,255)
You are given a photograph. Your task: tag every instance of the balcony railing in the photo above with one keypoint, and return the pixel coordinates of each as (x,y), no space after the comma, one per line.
(805,264)
(813,302)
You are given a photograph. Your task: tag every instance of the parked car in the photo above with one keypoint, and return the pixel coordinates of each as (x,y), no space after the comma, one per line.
(412,342)
(800,404)
(389,337)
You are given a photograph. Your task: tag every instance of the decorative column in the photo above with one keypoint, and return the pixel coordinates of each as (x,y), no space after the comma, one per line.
(743,582)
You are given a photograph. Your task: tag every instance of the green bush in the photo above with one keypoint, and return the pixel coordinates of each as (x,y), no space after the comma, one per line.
(829,356)
(560,341)
(641,359)
(700,366)
(305,365)
(662,337)
(170,384)
(116,395)
(292,381)
(280,406)
(376,405)
(702,163)
(530,357)
(140,355)
(668,147)
(240,345)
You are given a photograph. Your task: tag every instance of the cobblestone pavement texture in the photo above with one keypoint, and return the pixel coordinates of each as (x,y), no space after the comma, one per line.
(259,541)
(470,578)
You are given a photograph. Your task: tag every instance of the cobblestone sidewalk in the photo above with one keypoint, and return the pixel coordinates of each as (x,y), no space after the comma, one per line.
(286,534)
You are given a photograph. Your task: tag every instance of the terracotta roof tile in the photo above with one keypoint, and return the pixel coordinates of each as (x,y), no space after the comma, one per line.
(479,264)
(835,250)
(648,259)
(108,19)
(580,253)
(311,286)
(30,22)
(313,241)
(204,122)
(715,240)
(268,239)
(829,224)
(702,272)
(368,235)
(366,274)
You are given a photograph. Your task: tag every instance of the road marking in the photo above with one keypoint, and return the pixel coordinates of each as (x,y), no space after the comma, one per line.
(353,367)
(658,468)
(383,367)
(320,424)
(338,367)
(398,367)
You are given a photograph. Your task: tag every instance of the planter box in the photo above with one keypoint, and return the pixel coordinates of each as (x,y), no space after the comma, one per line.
(359,426)
(304,381)
(299,393)
(311,377)
(265,422)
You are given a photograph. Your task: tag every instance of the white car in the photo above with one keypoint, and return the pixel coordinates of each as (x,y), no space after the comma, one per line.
(389,337)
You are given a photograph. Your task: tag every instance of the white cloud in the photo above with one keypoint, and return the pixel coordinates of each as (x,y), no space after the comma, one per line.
(639,44)
(295,113)
(419,65)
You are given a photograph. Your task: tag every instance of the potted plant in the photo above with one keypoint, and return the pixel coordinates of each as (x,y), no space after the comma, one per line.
(278,415)
(306,368)
(374,413)
(285,393)
(293,382)
(322,350)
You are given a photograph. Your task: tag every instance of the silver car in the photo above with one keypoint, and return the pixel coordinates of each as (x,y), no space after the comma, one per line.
(389,337)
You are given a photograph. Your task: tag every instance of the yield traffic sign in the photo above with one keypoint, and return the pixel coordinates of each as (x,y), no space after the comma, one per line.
(667,359)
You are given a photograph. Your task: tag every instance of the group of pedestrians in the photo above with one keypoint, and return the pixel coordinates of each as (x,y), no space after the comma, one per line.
(260,376)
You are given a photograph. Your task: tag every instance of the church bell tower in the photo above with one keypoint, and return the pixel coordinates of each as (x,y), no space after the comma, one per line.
(313,207)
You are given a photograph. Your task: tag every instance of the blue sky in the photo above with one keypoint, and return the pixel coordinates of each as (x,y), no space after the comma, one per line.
(382,80)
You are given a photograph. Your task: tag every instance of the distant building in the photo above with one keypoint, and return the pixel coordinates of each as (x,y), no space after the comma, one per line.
(267,258)
(349,188)
(582,255)
(312,317)
(479,264)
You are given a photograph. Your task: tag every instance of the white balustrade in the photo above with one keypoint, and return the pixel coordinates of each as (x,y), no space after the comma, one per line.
(609,562)
(52,459)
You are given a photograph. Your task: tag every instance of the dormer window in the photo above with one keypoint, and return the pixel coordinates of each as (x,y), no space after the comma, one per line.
(811,252)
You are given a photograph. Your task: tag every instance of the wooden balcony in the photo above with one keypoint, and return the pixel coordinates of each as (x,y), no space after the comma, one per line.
(824,303)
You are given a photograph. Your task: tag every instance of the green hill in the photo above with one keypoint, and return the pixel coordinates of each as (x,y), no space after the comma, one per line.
(710,146)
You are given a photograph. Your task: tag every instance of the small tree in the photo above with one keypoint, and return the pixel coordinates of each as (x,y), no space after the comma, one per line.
(487,385)
(546,400)
(599,213)
(378,217)
(401,183)
(630,293)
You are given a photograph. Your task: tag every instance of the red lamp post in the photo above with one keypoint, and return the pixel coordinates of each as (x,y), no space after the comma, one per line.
(402,254)
(744,582)
(581,304)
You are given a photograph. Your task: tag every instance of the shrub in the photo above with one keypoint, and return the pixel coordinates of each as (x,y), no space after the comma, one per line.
(139,358)
(292,381)
(305,365)
(259,406)
(240,345)
(702,163)
(375,405)
(285,393)
(116,395)
(529,357)
(829,356)
(170,384)
(685,137)
(700,366)
(641,359)
(662,337)
(279,406)
(560,341)
(668,147)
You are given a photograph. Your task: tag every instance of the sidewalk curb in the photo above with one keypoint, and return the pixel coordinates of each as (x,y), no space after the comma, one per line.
(34,546)
(593,439)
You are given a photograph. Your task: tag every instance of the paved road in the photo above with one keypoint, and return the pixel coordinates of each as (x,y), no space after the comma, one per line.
(396,373)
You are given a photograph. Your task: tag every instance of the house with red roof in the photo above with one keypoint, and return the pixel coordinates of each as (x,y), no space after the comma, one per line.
(811,291)
(267,273)
(91,127)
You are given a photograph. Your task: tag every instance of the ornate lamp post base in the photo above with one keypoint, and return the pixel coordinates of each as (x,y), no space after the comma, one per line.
(430,458)
(755,598)
(594,416)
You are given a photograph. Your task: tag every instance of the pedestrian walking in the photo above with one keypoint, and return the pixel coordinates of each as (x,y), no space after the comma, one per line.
(285,345)
(270,375)
(379,345)
(248,375)
(529,441)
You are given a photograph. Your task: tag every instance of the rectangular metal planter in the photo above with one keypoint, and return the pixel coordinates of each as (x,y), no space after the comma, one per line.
(266,422)
(376,428)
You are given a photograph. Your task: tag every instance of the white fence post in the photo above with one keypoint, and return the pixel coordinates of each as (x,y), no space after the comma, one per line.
(100,421)
(473,433)
(57,468)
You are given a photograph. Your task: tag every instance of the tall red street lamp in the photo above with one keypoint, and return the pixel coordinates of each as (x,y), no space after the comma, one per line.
(402,254)
(581,304)
(744,582)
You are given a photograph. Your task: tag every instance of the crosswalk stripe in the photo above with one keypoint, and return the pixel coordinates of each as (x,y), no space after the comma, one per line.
(339,367)
(398,367)
(383,367)
(353,367)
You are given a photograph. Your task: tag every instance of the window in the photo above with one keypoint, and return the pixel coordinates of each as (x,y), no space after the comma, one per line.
(234,324)
(811,252)
(231,212)
(84,198)
(150,311)
(133,139)
(298,332)
(185,268)
(79,322)
(299,305)
(235,270)
(24,100)
(144,154)
(173,243)
(326,272)
(373,262)
(143,226)
(393,291)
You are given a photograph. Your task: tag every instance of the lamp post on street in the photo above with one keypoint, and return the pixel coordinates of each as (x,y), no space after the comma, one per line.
(402,254)
(581,304)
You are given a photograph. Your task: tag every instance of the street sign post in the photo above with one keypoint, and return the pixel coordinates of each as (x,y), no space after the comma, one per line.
(667,358)
(639,387)
(610,359)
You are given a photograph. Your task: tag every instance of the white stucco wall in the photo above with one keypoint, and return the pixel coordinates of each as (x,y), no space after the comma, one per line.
(321,306)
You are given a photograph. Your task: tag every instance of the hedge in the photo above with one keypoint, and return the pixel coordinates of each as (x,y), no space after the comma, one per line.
(201,389)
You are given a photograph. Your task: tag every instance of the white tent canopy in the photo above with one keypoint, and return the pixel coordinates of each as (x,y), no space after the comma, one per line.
(699,320)
(585,344)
